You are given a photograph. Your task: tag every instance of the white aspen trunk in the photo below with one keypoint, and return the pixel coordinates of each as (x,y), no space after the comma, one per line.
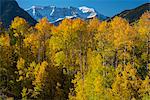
(133,56)
(124,61)
(148,51)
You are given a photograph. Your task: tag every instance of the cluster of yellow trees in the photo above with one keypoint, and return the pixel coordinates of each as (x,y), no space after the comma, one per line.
(76,60)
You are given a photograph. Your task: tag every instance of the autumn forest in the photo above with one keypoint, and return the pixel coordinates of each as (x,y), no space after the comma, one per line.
(76,60)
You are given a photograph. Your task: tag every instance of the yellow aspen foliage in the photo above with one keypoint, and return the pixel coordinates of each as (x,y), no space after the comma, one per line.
(76,60)
(122,39)
(126,84)
(4,40)
(143,31)
(31,41)
(93,87)
(21,69)
(92,29)
(65,29)
(39,78)
(18,22)
(56,43)
(24,93)
(121,31)
(144,24)
(59,58)
(104,42)
(39,72)
(20,28)
(44,33)
(102,36)
(19,25)
(93,24)
(145,86)
(44,26)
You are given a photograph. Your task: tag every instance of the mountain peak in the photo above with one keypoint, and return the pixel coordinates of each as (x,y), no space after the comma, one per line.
(55,14)
(133,15)
(92,12)
(10,9)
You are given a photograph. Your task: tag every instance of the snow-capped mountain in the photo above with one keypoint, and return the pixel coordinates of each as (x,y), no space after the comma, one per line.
(55,14)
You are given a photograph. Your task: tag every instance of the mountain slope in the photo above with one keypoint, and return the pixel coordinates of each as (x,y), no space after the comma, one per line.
(55,14)
(9,9)
(134,14)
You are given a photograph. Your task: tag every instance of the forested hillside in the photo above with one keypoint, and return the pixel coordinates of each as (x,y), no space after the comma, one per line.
(76,60)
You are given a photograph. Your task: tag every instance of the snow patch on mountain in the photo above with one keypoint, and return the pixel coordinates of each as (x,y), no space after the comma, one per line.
(33,7)
(53,9)
(85,9)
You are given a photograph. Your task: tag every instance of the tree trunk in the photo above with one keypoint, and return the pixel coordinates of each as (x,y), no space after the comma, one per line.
(39,53)
(124,59)
(115,62)
(133,54)
(148,52)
